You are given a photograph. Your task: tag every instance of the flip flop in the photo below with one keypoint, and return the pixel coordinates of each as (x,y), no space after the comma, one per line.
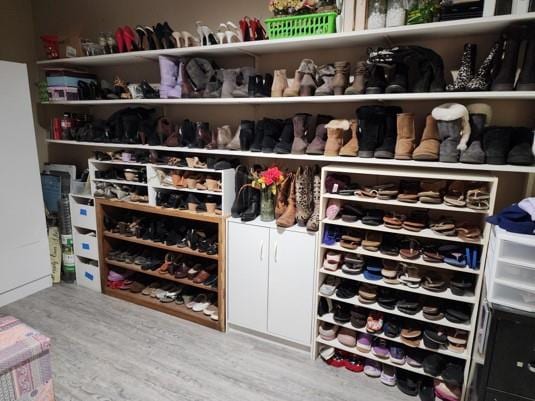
(350,242)
(410,249)
(455,258)
(455,195)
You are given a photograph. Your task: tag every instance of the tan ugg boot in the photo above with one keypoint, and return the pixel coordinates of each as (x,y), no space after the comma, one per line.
(293,89)
(280,83)
(406,136)
(335,136)
(351,148)
(283,194)
(430,143)
(341,77)
(287,219)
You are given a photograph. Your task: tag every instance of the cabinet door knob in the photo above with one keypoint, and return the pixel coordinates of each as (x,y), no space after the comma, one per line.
(275,252)
(531,367)
(261,250)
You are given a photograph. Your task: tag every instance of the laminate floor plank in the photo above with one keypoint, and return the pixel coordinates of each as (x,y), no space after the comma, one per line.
(106,349)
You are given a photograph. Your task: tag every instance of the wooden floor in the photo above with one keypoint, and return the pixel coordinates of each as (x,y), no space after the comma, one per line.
(107,349)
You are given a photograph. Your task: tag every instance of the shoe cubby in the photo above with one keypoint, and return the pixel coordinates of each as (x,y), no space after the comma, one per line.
(179,253)
(384,250)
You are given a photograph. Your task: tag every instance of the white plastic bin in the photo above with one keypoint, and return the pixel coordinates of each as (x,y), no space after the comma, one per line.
(504,293)
(87,274)
(85,243)
(82,214)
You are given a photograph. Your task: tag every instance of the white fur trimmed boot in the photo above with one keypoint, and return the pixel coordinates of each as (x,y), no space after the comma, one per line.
(453,128)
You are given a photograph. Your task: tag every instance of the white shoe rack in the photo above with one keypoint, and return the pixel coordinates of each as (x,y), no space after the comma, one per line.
(153,185)
(85,243)
(375,176)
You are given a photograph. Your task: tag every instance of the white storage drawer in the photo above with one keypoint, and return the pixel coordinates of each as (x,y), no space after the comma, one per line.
(83,215)
(87,274)
(521,253)
(85,243)
(508,294)
(521,275)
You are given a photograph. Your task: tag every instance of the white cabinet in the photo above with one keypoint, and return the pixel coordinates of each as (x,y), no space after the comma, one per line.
(271,280)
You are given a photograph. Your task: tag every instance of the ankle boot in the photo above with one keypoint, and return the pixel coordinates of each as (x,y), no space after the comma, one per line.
(496,143)
(246,134)
(475,154)
(280,83)
(253,205)
(406,136)
(241,178)
(359,80)
(203,136)
(229,82)
(308,85)
(224,136)
(293,89)
(511,38)
(300,124)
(256,146)
(376,82)
(283,194)
(526,80)
(313,223)
(241,87)
(326,76)
(429,145)
(389,136)
(351,148)
(284,146)
(168,77)
(187,131)
(287,219)
(272,131)
(399,81)
(372,123)
(303,195)
(235,143)
(317,146)
(213,142)
(335,136)
(267,83)
(341,77)
(521,152)
(482,78)
(452,122)
(466,70)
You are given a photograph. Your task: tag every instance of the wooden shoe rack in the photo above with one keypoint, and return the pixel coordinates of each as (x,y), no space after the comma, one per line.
(374,176)
(107,238)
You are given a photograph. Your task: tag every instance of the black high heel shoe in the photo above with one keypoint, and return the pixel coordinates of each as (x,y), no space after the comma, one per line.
(151,39)
(148,91)
(167,37)
(142,34)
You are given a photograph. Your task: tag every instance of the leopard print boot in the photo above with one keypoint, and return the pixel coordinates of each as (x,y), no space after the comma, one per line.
(313,223)
(303,192)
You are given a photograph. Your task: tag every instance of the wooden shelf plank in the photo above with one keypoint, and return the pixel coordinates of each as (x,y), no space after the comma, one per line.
(168,277)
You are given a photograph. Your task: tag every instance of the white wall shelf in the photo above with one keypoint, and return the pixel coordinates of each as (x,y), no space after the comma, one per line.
(310,158)
(446,29)
(120,182)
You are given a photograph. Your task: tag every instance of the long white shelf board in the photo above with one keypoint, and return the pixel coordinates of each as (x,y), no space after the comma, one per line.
(310,158)
(372,37)
(439,96)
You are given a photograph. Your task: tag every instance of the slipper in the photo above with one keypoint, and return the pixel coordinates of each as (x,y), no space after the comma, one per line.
(433,282)
(408,191)
(364,342)
(351,213)
(387,191)
(390,245)
(409,249)
(335,183)
(333,208)
(350,242)
(148,289)
(386,297)
(468,232)
(444,225)
(137,287)
(431,254)
(347,337)
(373,217)
(411,276)
(331,261)
(431,189)
(455,195)
(328,331)
(394,220)
(329,285)
(367,294)
(200,303)
(210,310)
(416,221)
(353,264)
(348,289)
(372,241)
(454,257)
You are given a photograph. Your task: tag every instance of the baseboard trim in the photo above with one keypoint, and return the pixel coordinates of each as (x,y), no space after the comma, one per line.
(25,290)
(269,338)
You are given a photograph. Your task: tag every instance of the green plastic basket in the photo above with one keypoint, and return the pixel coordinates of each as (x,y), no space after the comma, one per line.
(301,25)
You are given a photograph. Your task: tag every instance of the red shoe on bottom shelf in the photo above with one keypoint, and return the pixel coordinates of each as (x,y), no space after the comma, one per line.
(339,359)
(354,364)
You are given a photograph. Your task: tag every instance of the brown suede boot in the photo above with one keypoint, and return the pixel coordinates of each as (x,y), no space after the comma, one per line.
(335,136)
(351,148)
(293,89)
(429,146)
(406,136)
(280,83)
(359,80)
(283,193)
(287,219)
(341,77)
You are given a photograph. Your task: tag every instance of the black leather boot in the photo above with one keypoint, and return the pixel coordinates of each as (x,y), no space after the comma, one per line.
(246,134)
(376,81)
(521,152)
(253,205)
(202,137)
(267,83)
(388,138)
(241,178)
(511,38)
(187,130)
(272,131)
(256,146)
(371,123)
(286,138)
(526,80)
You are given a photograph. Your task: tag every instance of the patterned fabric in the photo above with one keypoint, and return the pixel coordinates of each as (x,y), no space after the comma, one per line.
(25,371)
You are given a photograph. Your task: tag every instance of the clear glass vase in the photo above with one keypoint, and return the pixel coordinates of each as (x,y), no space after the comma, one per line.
(267,205)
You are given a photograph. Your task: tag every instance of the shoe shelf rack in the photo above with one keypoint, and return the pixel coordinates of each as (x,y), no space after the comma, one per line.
(307,158)
(380,37)
(107,239)
(224,198)
(469,300)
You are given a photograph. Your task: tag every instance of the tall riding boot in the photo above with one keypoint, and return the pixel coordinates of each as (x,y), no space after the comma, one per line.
(406,136)
(300,124)
(283,194)
(317,146)
(341,77)
(272,131)
(287,219)
(241,178)
(168,77)
(359,80)
(326,76)
(482,79)
(526,80)
(351,148)
(246,134)
(466,70)
(372,123)
(335,136)
(475,154)
(284,146)
(313,221)
(256,145)
(303,194)
(293,89)
(429,145)
(388,140)
(505,80)
(280,83)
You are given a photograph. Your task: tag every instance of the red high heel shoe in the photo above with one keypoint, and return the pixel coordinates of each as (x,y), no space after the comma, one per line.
(119,38)
(245,29)
(257,30)
(129,38)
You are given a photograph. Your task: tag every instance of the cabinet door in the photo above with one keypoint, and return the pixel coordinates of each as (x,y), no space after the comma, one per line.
(291,282)
(247,265)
